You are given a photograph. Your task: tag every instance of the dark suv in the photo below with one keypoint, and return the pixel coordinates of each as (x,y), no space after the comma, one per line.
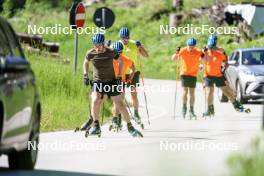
(20,107)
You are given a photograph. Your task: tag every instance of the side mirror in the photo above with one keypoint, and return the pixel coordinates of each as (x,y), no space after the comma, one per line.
(233,62)
(13,63)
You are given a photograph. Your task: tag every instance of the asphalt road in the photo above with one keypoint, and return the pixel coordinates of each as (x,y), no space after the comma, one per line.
(169,147)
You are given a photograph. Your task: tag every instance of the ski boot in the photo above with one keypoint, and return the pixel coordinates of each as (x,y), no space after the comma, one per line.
(137,119)
(210,111)
(85,126)
(240,108)
(192,114)
(95,131)
(116,124)
(133,131)
(184,110)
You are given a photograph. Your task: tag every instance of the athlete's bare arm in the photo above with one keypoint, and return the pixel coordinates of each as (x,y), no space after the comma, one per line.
(143,52)
(132,73)
(174,57)
(85,66)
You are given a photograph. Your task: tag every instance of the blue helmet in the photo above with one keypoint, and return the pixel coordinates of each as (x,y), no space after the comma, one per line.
(118,46)
(124,32)
(191,42)
(98,39)
(212,37)
(211,43)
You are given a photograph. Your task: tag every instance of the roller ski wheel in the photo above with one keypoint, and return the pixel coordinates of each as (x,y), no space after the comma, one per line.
(208,115)
(247,110)
(110,127)
(87,134)
(76,129)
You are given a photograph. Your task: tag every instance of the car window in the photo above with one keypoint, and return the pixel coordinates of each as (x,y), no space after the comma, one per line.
(4,46)
(254,57)
(15,47)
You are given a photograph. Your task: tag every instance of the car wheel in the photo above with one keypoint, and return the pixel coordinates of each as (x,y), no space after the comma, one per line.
(221,96)
(239,94)
(26,159)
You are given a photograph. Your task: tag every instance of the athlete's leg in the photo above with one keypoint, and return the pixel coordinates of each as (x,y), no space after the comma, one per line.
(134,97)
(115,110)
(210,95)
(119,103)
(185,95)
(192,96)
(96,103)
(229,93)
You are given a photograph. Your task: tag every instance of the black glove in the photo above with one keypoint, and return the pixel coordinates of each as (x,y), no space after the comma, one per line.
(205,49)
(86,80)
(108,43)
(116,56)
(178,49)
(138,44)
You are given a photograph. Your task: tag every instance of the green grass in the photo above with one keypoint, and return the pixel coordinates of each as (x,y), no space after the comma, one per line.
(63,95)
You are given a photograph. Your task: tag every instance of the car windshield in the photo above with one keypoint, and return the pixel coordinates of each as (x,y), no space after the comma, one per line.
(254,57)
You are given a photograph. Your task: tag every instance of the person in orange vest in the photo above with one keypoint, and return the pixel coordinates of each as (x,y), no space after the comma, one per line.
(190,58)
(121,66)
(213,61)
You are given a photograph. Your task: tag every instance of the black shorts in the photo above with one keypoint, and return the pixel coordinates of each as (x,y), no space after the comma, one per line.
(107,88)
(188,81)
(135,81)
(218,81)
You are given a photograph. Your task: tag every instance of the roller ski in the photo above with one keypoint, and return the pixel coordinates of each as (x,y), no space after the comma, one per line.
(116,124)
(95,131)
(184,111)
(210,112)
(133,131)
(240,108)
(192,114)
(137,119)
(85,126)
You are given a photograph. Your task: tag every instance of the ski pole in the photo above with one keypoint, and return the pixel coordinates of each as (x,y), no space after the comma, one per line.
(89,100)
(205,94)
(102,119)
(145,96)
(128,107)
(175,93)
